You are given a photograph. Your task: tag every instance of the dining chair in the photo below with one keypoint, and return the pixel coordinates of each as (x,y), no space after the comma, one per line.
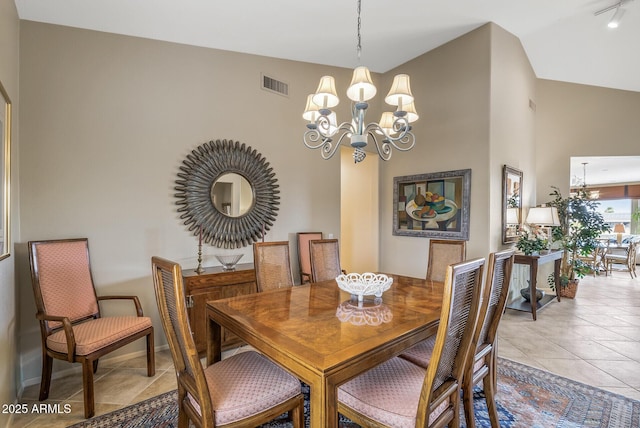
(481,363)
(596,258)
(325,259)
(442,253)
(243,390)
(399,393)
(304,258)
(272,265)
(624,263)
(72,327)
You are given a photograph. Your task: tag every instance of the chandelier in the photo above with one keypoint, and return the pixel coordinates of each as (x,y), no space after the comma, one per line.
(393,130)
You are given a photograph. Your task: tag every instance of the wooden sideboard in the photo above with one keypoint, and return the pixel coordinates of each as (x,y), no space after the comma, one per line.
(213,284)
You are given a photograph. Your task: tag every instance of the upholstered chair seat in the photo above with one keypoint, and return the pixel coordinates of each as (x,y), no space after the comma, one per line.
(247,384)
(395,405)
(95,334)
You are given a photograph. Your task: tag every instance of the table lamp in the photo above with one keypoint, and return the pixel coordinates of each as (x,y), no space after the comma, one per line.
(619,229)
(545,217)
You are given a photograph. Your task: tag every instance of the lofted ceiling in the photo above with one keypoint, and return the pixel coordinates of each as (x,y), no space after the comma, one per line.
(564,40)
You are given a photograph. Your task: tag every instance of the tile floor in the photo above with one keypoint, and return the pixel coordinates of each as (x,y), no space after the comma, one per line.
(593,339)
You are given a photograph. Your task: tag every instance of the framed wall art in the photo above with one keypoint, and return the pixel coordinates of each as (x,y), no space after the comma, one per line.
(432,205)
(5,173)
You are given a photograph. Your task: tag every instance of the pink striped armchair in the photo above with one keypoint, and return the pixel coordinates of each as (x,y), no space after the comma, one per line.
(71,324)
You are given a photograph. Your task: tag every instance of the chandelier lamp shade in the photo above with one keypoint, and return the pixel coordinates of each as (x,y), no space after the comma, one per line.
(392,131)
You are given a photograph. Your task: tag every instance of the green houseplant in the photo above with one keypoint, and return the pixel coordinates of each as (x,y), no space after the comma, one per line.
(531,243)
(580,227)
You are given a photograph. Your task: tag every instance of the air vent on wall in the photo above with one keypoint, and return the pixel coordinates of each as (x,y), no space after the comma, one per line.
(274,85)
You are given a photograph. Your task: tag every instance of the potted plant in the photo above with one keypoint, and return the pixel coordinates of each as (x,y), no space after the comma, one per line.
(531,242)
(580,227)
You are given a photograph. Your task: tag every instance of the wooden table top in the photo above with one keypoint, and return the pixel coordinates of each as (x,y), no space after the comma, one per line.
(322,336)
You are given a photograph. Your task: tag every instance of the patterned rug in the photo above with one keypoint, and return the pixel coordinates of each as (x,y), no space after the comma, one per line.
(527,398)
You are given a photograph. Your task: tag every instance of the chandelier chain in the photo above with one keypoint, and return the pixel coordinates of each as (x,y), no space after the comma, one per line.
(359,47)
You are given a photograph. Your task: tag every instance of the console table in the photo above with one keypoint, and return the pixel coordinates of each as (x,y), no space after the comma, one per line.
(533,262)
(213,284)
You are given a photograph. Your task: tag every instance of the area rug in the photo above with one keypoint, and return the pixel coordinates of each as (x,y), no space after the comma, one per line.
(527,398)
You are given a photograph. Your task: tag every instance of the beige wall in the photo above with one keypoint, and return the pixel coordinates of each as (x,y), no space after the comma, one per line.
(512,132)
(109,119)
(9,66)
(473,99)
(451,88)
(580,120)
(359,216)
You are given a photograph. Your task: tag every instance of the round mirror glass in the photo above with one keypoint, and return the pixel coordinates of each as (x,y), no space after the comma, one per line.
(232,195)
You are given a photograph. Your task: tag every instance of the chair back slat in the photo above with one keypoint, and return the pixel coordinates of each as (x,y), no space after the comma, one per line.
(62,280)
(167,280)
(272,265)
(304,258)
(443,253)
(325,259)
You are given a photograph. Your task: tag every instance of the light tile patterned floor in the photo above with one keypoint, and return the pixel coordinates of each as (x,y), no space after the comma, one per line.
(594,339)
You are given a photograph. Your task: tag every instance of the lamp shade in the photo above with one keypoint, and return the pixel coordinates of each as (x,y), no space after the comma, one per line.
(618,228)
(386,122)
(361,87)
(400,92)
(543,216)
(326,96)
(311,110)
(410,108)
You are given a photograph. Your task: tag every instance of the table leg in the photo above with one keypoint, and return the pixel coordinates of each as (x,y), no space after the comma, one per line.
(556,275)
(533,288)
(323,405)
(214,342)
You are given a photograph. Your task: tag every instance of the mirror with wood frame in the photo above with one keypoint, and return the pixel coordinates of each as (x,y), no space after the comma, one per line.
(511,204)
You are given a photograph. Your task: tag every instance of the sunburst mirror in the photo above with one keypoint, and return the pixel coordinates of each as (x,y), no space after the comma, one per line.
(228,191)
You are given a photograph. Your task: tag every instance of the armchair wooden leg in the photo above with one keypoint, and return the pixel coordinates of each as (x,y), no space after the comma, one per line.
(151,355)
(45,382)
(87,388)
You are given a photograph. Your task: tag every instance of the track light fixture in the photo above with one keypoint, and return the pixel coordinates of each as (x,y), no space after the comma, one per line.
(614,22)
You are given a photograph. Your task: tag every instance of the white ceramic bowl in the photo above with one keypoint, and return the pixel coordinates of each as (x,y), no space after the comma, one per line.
(365,284)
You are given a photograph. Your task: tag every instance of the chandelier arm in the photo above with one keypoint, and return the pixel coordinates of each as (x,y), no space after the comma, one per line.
(402,142)
(384,148)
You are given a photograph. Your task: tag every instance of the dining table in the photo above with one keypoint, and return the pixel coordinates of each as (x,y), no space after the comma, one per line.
(325,336)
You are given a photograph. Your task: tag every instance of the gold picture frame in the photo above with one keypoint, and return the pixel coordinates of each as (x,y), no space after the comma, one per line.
(5,173)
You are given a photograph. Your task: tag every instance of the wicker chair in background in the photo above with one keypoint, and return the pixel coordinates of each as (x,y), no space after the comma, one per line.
(442,253)
(272,265)
(71,325)
(304,258)
(626,262)
(325,259)
(399,393)
(244,390)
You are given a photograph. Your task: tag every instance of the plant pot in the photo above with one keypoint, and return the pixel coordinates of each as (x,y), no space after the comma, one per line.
(569,291)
